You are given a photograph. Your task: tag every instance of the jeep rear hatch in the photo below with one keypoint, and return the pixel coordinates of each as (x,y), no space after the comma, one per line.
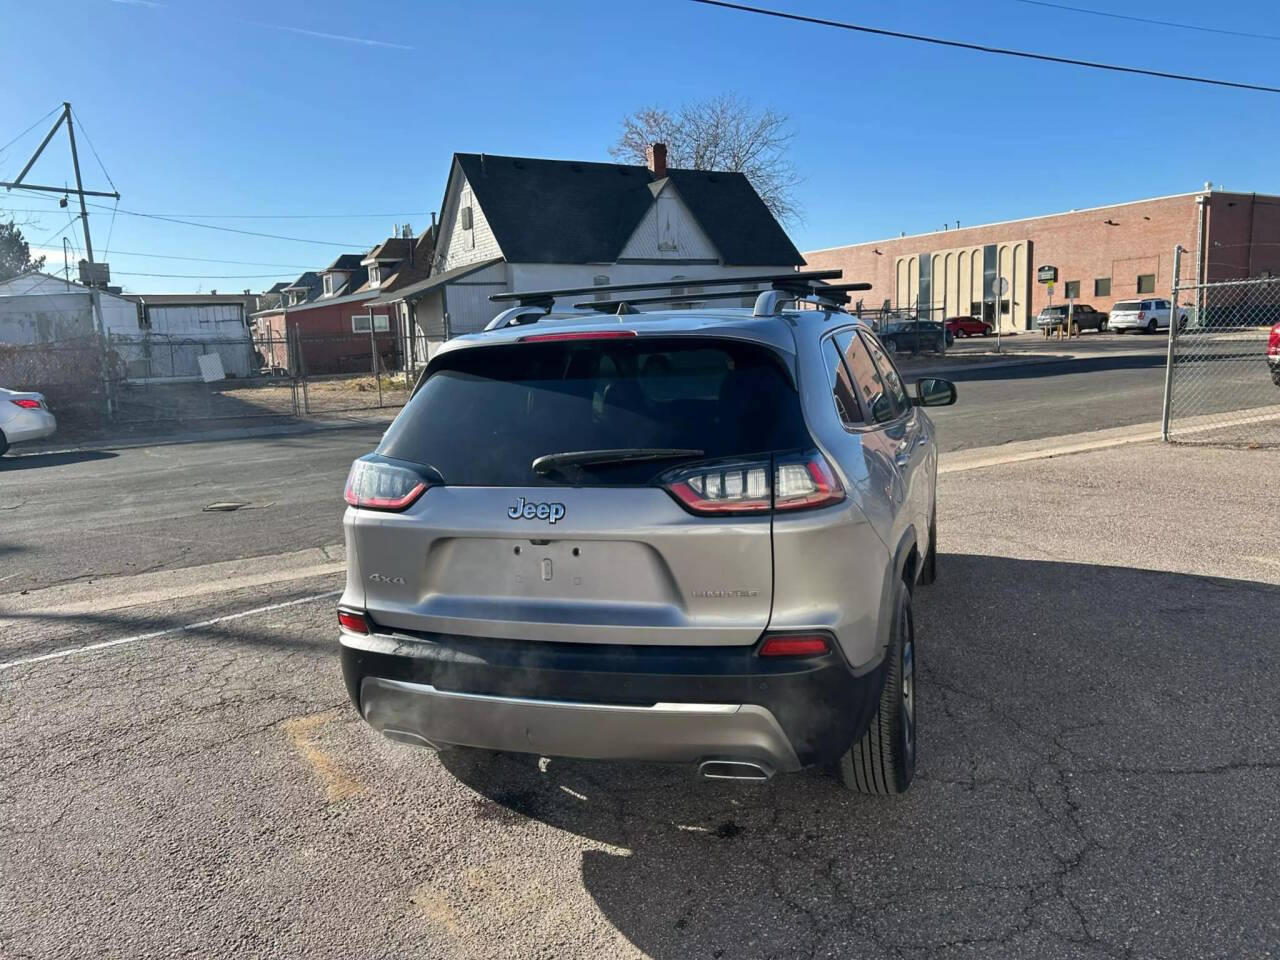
(612,490)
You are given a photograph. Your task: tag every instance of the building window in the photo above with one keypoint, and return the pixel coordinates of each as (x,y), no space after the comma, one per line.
(375,275)
(601,280)
(1102,287)
(1146,283)
(328,284)
(360,323)
(1071,290)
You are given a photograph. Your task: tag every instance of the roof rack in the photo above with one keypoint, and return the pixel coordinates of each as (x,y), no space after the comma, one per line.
(813,291)
(545,298)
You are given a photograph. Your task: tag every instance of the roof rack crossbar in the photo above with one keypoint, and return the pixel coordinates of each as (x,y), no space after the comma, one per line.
(835,294)
(541,297)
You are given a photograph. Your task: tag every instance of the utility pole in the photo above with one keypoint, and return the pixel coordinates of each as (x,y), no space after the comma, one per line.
(89,277)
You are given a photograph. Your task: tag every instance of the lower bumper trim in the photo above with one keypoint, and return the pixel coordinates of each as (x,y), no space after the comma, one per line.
(678,732)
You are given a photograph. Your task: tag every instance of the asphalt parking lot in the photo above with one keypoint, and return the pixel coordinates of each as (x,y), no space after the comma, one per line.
(181,773)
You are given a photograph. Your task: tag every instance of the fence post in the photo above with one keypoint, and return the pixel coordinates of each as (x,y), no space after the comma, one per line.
(1171,353)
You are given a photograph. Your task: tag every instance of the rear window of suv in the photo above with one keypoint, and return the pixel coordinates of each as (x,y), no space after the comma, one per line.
(485,414)
(1127,306)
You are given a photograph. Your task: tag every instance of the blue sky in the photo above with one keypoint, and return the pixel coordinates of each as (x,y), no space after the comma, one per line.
(238,108)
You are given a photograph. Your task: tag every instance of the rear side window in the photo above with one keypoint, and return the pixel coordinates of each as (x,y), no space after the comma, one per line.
(871,387)
(485,414)
(842,388)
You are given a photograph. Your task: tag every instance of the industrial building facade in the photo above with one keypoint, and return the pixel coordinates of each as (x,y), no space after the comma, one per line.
(1102,255)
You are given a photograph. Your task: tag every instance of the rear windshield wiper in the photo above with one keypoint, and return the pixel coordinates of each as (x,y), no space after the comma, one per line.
(593,458)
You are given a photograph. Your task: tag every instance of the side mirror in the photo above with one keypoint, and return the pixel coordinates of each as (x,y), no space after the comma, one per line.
(935,392)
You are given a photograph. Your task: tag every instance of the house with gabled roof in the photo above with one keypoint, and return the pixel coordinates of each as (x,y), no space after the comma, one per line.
(512,223)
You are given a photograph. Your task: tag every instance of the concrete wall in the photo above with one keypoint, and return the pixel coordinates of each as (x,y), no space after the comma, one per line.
(1118,242)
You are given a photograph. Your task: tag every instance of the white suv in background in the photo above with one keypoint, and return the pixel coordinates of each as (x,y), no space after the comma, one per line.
(1148,315)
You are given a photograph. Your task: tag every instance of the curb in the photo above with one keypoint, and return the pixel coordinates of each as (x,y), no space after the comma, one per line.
(205,436)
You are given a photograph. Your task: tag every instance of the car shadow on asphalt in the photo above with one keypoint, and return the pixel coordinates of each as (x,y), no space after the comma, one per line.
(37,461)
(1069,714)
(1057,368)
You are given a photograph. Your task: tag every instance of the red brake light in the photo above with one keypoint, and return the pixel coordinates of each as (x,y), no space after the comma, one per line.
(355,622)
(578,335)
(380,486)
(747,487)
(27,404)
(1141,314)
(795,645)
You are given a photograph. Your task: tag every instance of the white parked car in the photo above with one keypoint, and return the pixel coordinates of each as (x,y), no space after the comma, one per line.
(23,416)
(1147,315)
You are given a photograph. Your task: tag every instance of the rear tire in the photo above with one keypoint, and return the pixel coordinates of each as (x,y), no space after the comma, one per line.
(4,443)
(1151,325)
(986,331)
(883,762)
(1275,375)
(1102,327)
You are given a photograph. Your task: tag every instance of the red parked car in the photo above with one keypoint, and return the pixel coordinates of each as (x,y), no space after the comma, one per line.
(968,327)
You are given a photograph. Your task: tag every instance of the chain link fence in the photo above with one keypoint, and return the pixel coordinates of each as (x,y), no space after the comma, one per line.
(1221,388)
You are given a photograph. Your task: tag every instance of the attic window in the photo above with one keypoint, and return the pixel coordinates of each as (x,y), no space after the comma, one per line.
(375,275)
(328,284)
(466,217)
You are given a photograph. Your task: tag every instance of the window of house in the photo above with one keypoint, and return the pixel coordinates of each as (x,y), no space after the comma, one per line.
(600,280)
(1146,283)
(380,323)
(1071,290)
(375,275)
(1102,287)
(328,284)
(360,324)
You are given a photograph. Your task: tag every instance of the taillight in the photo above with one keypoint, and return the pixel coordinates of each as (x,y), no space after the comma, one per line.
(1141,314)
(578,335)
(375,485)
(795,645)
(793,483)
(1273,342)
(355,622)
(27,404)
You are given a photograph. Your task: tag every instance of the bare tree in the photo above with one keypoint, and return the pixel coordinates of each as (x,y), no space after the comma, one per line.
(720,133)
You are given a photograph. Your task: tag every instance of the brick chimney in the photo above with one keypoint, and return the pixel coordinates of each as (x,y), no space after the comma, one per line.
(655,156)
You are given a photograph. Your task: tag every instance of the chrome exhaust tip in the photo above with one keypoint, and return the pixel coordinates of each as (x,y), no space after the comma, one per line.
(734,770)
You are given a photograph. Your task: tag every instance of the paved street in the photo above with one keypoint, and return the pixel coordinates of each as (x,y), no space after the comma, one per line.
(1100,735)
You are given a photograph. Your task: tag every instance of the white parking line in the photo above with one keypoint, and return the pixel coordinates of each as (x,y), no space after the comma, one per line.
(89,648)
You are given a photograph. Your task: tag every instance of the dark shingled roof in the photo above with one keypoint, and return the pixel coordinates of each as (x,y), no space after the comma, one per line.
(563,211)
(311,283)
(348,261)
(393,248)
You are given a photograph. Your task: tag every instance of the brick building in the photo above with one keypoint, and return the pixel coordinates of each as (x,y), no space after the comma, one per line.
(1103,254)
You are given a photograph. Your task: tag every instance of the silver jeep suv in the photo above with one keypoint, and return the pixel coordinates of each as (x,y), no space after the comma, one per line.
(681,535)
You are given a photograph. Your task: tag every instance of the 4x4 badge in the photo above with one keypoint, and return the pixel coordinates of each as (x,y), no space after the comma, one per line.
(527,510)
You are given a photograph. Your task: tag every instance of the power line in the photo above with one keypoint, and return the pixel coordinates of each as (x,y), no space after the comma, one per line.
(1150,20)
(982,48)
(210,226)
(277,216)
(28,130)
(202,276)
(94,149)
(239,263)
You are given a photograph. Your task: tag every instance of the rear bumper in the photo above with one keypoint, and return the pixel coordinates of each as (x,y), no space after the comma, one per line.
(599,701)
(30,425)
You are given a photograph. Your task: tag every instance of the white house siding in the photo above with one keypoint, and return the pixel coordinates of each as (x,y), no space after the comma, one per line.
(216,320)
(118,314)
(458,246)
(47,318)
(549,276)
(669,232)
(467,300)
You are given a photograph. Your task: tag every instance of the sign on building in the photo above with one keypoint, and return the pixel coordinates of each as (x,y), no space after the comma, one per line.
(1047,274)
